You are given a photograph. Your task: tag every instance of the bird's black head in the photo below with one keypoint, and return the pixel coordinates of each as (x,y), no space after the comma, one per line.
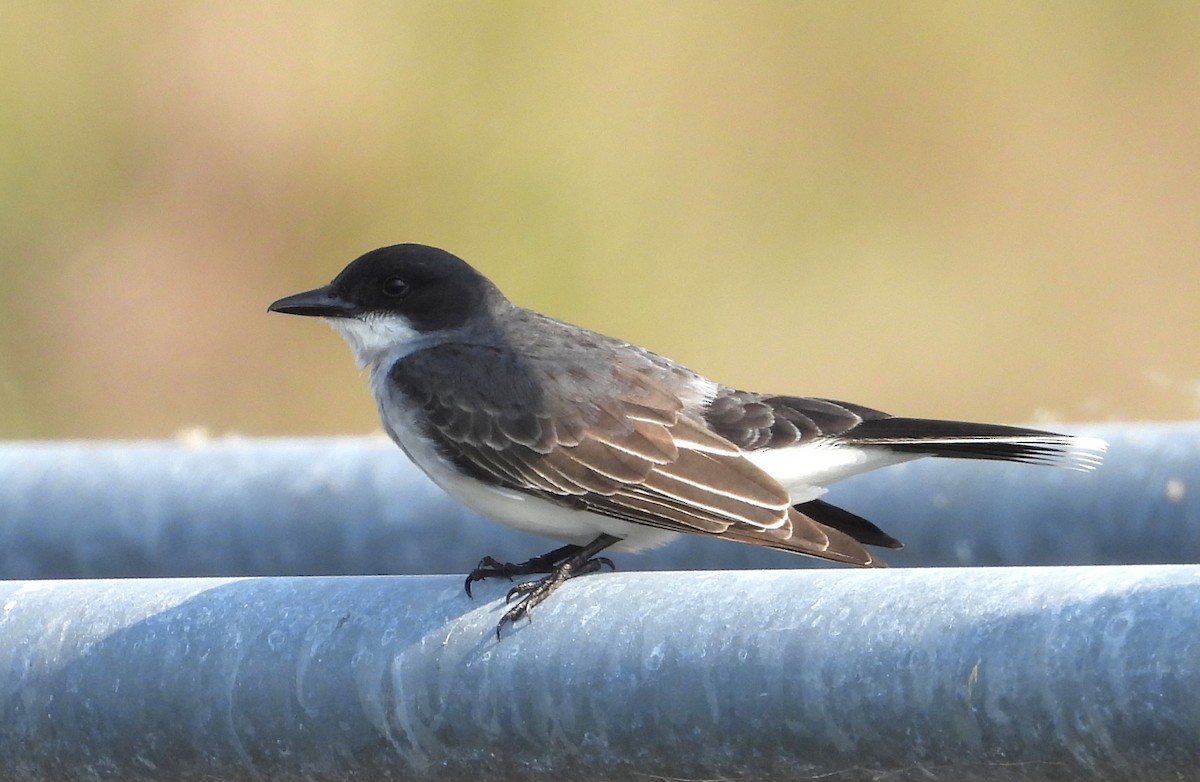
(427,288)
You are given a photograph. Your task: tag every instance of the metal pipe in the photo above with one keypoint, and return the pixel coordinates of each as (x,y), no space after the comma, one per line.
(356,506)
(917,674)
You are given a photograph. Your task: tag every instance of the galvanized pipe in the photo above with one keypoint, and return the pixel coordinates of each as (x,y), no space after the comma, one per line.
(356,506)
(918,674)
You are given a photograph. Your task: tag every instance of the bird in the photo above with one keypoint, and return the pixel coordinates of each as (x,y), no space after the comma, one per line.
(604,445)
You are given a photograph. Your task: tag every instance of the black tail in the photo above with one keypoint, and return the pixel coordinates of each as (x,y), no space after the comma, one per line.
(962,440)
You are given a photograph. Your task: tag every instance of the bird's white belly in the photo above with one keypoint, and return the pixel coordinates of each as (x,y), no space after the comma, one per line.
(542,517)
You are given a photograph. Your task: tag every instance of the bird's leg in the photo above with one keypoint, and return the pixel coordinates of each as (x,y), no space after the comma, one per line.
(490,568)
(576,563)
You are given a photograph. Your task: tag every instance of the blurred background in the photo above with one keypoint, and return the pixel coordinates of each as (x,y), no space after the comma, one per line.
(986,210)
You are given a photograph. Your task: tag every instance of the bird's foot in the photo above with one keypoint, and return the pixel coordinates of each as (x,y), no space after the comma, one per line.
(559,565)
(534,593)
(492,568)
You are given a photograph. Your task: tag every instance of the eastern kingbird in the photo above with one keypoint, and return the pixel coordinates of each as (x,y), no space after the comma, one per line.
(599,443)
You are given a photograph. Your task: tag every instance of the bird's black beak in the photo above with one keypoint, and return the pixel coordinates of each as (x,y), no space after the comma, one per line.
(319,302)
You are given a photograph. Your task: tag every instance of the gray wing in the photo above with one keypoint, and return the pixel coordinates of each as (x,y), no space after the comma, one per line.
(612,440)
(753,421)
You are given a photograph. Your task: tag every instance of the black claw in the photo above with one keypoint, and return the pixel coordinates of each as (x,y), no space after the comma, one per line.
(546,563)
(491,568)
(559,565)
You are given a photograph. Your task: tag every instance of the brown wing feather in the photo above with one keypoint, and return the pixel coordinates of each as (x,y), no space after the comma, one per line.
(622,446)
(803,535)
(753,420)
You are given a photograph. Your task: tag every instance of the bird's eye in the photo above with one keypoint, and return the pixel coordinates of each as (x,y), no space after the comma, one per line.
(395,287)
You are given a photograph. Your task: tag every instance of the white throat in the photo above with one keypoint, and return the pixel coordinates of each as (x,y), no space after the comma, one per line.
(373,338)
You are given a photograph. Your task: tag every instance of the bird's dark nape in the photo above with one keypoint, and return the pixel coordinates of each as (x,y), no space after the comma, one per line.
(844,521)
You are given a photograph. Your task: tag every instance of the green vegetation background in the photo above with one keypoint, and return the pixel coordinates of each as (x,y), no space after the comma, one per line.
(983,210)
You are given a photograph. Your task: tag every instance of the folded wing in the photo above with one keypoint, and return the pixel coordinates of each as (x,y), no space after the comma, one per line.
(623,446)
